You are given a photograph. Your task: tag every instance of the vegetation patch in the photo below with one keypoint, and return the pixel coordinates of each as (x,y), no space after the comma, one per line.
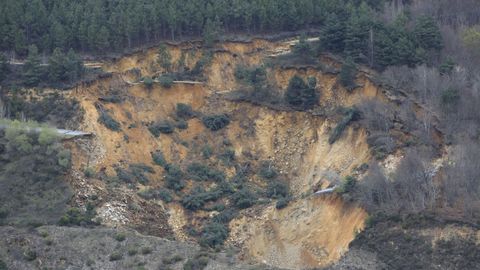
(160,193)
(199,262)
(351,114)
(164,127)
(32,176)
(116,256)
(166,81)
(347,75)
(159,159)
(174,178)
(184,111)
(198,197)
(216,122)
(200,172)
(106,119)
(214,234)
(78,217)
(300,95)
(135,173)
(52,107)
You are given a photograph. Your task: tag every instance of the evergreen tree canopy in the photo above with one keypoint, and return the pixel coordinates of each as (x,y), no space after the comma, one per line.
(427,34)
(332,36)
(347,75)
(3,67)
(56,67)
(347,27)
(32,71)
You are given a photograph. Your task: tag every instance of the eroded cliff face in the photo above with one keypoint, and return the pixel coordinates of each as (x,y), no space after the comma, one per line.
(312,231)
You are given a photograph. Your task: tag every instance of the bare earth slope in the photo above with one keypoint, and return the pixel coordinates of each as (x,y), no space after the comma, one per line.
(312,231)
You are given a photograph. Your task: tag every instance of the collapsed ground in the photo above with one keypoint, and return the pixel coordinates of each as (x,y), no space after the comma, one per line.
(223,158)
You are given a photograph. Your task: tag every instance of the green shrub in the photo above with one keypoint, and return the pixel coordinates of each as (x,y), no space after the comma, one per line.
(172,260)
(282,203)
(162,194)
(267,171)
(107,120)
(219,207)
(148,82)
(120,237)
(214,234)
(181,124)
(146,250)
(347,185)
(446,67)
(116,256)
(255,76)
(75,216)
(198,197)
(207,151)
(228,156)
(89,172)
(174,178)
(159,159)
(135,173)
(132,251)
(64,157)
(197,263)
(184,111)
(164,127)
(243,198)
(216,122)
(201,63)
(200,172)
(277,189)
(166,81)
(225,216)
(225,187)
(115,98)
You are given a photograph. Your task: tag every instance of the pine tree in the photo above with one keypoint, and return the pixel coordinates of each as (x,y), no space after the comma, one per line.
(427,34)
(332,36)
(73,66)
(164,58)
(404,51)
(348,74)
(3,67)
(32,71)
(355,39)
(102,39)
(383,47)
(58,35)
(212,31)
(56,67)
